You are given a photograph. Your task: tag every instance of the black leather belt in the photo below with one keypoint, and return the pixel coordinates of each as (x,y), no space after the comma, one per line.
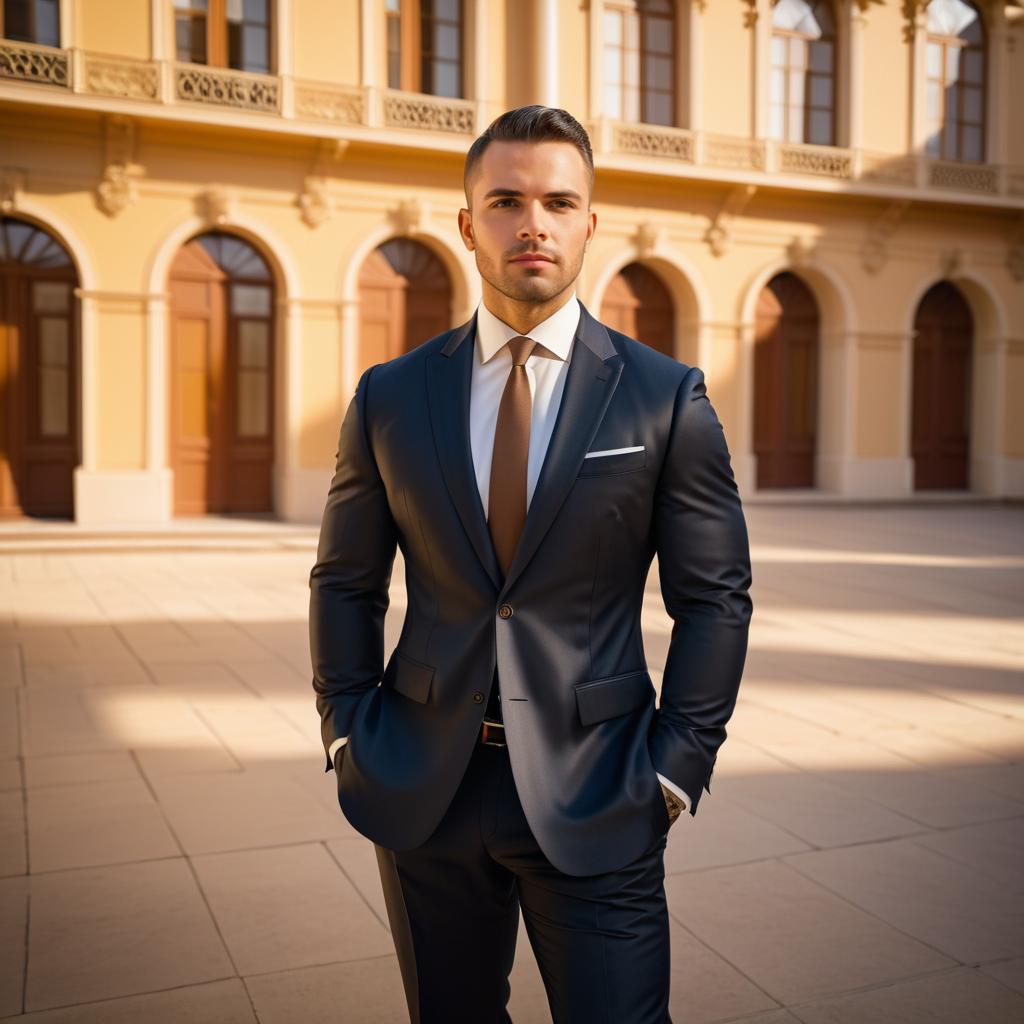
(492,734)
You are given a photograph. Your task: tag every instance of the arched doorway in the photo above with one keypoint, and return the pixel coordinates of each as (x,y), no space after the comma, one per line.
(638,304)
(39,372)
(405,297)
(221,377)
(941,403)
(786,334)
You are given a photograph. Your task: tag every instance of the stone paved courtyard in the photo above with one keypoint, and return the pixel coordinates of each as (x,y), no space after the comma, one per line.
(171,849)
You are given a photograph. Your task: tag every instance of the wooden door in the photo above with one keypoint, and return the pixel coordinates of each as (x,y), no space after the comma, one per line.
(638,304)
(221,378)
(785,383)
(405,297)
(39,373)
(941,405)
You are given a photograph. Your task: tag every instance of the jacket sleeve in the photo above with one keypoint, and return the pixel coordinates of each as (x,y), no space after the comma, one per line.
(704,568)
(350,580)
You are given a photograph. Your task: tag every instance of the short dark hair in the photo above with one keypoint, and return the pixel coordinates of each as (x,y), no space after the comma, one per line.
(530,124)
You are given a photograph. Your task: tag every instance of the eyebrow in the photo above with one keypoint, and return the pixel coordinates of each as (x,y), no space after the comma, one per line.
(511,192)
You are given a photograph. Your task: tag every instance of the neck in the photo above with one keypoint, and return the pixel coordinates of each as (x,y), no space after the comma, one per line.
(522,317)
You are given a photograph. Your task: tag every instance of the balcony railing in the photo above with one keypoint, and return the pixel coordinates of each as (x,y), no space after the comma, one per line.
(449,124)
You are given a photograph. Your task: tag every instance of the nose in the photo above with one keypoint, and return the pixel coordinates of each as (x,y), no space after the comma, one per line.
(533,224)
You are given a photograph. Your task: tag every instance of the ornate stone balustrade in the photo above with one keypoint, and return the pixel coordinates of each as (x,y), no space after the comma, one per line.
(102,76)
(336,103)
(825,161)
(26,62)
(430,113)
(222,87)
(120,76)
(654,140)
(983,178)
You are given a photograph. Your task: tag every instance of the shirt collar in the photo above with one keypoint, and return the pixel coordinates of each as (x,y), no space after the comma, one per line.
(555,333)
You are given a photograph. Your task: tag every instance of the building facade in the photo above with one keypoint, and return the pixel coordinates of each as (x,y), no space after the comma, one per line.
(215,213)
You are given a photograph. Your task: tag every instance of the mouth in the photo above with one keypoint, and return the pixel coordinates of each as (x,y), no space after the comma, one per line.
(532,260)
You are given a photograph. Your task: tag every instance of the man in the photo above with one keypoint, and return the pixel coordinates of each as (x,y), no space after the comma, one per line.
(529,463)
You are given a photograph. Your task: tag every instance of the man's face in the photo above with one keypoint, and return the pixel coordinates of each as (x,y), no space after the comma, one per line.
(529,198)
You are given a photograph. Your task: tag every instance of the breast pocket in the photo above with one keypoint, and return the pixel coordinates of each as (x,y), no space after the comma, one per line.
(600,463)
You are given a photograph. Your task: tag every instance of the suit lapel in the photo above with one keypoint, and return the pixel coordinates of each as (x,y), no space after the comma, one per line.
(449,374)
(590,382)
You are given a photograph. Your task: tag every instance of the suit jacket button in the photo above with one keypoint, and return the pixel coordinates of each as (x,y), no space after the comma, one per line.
(505,611)
(478,697)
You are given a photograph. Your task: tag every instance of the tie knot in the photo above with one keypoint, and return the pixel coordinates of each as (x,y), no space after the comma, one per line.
(521,348)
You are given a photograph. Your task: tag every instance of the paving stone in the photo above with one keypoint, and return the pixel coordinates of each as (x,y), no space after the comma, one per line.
(79,769)
(10,774)
(217,813)
(1009,972)
(814,811)
(288,907)
(98,823)
(723,832)
(359,992)
(948,998)
(995,848)
(791,937)
(358,860)
(955,909)
(217,1002)
(13,917)
(12,833)
(97,933)
(9,743)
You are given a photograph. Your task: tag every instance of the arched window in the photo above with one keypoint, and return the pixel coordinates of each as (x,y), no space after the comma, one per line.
(955,90)
(803,72)
(639,61)
(425,46)
(31,21)
(224,33)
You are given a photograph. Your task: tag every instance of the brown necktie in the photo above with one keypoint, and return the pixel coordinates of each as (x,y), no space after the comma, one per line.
(506,499)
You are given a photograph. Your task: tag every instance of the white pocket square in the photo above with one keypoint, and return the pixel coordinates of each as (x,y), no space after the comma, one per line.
(614,451)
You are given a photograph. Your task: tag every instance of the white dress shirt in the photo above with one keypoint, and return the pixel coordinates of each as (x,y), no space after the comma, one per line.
(546,372)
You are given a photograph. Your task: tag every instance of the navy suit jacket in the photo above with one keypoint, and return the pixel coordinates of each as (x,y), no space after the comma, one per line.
(585,738)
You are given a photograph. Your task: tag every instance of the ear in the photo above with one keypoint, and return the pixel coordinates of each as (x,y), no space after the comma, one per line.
(466,229)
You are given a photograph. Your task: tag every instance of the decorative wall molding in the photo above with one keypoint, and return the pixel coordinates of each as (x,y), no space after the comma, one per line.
(217,205)
(117,190)
(719,234)
(874,253)
(12,185)
(648,239)
(410,216)
(654,140)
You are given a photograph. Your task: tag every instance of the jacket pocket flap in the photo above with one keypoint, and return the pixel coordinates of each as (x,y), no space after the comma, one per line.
(599,699)
(623,462)
(412,678)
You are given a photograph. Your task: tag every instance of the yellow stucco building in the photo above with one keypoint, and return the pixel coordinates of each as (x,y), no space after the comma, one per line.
(215,213)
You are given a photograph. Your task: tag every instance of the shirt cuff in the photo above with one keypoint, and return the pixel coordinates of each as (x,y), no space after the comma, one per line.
(671,785)
(334,747)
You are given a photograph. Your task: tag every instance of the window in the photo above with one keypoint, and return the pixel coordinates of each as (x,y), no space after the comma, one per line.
(639,61)
(803,72)
(424,39)
(224,33)
(31,21)
(955,81)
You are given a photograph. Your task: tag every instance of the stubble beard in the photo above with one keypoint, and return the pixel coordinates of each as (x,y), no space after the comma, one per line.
(532,286)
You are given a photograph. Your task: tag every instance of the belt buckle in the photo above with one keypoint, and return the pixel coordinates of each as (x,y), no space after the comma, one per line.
(487,729)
